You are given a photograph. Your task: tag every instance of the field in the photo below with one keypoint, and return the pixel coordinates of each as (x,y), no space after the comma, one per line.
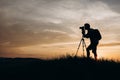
(69,68)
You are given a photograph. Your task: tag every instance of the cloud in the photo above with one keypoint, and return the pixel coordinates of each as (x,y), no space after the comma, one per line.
(113,4)
(24,20)
(110,44)
(32,22)
(18,36)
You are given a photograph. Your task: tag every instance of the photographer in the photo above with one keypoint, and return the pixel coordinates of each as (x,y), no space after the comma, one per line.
(94,36)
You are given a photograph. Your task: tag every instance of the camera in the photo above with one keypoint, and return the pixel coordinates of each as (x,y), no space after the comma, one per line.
(83,29)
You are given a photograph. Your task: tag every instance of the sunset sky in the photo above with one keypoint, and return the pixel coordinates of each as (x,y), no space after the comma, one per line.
(50,28)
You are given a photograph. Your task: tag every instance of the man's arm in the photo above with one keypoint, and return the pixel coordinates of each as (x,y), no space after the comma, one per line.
(86,35)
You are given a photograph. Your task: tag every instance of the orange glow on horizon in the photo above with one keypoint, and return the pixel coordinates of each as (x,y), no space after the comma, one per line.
(57,50)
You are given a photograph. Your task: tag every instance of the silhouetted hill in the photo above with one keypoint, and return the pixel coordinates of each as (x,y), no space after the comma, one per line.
(58,69)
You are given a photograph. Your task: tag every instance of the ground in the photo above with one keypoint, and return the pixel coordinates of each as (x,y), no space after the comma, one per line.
(69,68)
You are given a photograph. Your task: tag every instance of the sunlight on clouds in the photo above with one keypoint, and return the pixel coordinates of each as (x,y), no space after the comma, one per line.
(107,51)
(111,52)
(55,31)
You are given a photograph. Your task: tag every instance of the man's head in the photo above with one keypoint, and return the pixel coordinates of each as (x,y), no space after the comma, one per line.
(87,26)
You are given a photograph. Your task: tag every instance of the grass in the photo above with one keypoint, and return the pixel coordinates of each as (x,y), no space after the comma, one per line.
(65,68)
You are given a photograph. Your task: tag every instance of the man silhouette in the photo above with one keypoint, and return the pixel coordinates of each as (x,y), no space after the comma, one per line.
(94,36)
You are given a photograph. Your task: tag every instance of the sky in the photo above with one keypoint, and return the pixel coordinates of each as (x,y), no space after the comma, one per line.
(50,28)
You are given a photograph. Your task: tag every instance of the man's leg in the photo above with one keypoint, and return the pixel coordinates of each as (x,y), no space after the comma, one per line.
(94,50)
(88,53)
(95,54)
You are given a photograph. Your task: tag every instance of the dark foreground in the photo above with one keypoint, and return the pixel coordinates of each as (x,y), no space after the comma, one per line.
(61,69)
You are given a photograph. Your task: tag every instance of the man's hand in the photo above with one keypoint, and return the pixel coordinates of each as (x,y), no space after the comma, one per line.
(83,32)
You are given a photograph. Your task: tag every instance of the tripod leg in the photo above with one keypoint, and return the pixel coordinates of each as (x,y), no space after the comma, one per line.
(84,46)
(84,43)
(78,47)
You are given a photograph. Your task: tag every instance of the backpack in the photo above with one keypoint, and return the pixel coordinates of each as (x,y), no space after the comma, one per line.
(97,34)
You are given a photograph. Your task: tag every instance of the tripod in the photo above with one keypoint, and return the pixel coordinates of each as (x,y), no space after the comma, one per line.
(83,46)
